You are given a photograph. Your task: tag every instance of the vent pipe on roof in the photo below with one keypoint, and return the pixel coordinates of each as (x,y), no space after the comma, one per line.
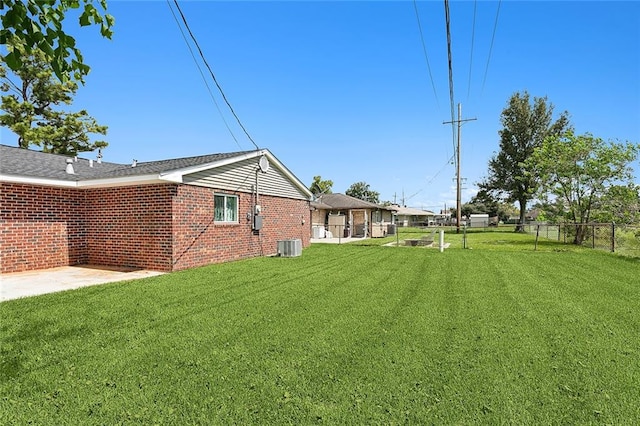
(99,155)
(135,163)
(69,169)
(90,163)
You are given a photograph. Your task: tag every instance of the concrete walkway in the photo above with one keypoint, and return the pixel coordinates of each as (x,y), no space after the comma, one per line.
(335,240)
(42,281)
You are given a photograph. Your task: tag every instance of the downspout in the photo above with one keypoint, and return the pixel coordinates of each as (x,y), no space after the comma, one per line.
(257,192)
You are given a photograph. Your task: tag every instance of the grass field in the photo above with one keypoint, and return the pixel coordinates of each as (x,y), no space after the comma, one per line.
(346,334)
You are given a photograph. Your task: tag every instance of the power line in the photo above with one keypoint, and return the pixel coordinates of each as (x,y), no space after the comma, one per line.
(424,50)
(442,169)
(451,98)
(473,34)
(186,24)
(202,74)
(495,25)
(432,178)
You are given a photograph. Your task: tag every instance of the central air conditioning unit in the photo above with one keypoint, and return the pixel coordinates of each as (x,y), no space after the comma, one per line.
(290,248)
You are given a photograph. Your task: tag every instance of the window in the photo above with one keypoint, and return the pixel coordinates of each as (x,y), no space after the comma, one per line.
(376,216)
(226,208)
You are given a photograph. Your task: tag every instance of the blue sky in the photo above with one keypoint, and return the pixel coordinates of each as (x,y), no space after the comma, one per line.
(341,89)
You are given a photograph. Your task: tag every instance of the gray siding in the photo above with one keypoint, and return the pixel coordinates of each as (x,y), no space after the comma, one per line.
(241,177)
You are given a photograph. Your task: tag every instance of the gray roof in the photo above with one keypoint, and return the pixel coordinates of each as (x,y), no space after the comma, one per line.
(408,211)
(346,202)
(33,164)
(320,206)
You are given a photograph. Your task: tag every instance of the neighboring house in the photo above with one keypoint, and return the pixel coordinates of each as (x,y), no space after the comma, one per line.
(532,215)
(513,219)
(480,220)
(407,216)
(160,215)
(345,216)
(319,219)
(442,219)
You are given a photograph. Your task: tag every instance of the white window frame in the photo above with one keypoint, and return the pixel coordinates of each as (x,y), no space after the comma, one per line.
(225,210)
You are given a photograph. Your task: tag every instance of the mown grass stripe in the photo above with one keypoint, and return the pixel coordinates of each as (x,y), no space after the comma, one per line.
(343,334)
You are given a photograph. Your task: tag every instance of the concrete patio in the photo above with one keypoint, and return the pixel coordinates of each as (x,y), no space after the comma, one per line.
(335,240)
(42,281)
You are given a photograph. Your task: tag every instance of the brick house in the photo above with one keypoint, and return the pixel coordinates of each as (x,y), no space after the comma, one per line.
(161,215)
(343,215)
(407,216)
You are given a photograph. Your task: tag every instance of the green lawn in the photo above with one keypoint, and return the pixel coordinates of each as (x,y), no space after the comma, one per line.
(353,334)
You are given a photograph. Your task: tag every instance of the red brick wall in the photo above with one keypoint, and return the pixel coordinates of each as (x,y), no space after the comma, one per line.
(40,227)
(284,219)
(198,240)
(162,227)
(130,226)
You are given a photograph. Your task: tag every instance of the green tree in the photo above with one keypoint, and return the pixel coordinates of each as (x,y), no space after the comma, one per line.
(579,170)
(320,186)
(551,210)
(619,204)
(31,104)
(37,25)
(362,191)
(525,125)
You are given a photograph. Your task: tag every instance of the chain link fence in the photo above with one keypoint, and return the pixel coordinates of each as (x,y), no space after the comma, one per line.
(623,239)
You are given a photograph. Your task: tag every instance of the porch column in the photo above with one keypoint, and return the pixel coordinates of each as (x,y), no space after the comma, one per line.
(366,223)
(350,223)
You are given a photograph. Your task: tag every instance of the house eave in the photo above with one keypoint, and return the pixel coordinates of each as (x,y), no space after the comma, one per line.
(122,181)
(28,180)
(89,183)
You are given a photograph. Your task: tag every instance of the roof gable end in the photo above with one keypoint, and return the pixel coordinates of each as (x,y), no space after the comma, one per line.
(26,166)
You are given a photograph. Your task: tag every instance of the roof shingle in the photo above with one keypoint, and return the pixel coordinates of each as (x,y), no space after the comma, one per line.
(23,162)
(346,202)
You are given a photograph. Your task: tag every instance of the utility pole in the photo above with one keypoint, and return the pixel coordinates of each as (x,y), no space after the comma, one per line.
(458,179)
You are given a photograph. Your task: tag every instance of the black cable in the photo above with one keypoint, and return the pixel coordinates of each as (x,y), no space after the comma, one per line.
(495,25)
(473,34)
(186,24)
(202,75)
(424,50)
(432,179)
(453,118)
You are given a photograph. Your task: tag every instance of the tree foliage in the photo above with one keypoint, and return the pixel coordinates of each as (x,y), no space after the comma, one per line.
(31,108)
(580,170)
(619,204)
(320,186)
(37,25)
(525,126)
(362,191)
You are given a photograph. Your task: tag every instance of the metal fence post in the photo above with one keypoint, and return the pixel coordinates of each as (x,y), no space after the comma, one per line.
(535,248)
(613,237)
(464,237)
(593,236)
